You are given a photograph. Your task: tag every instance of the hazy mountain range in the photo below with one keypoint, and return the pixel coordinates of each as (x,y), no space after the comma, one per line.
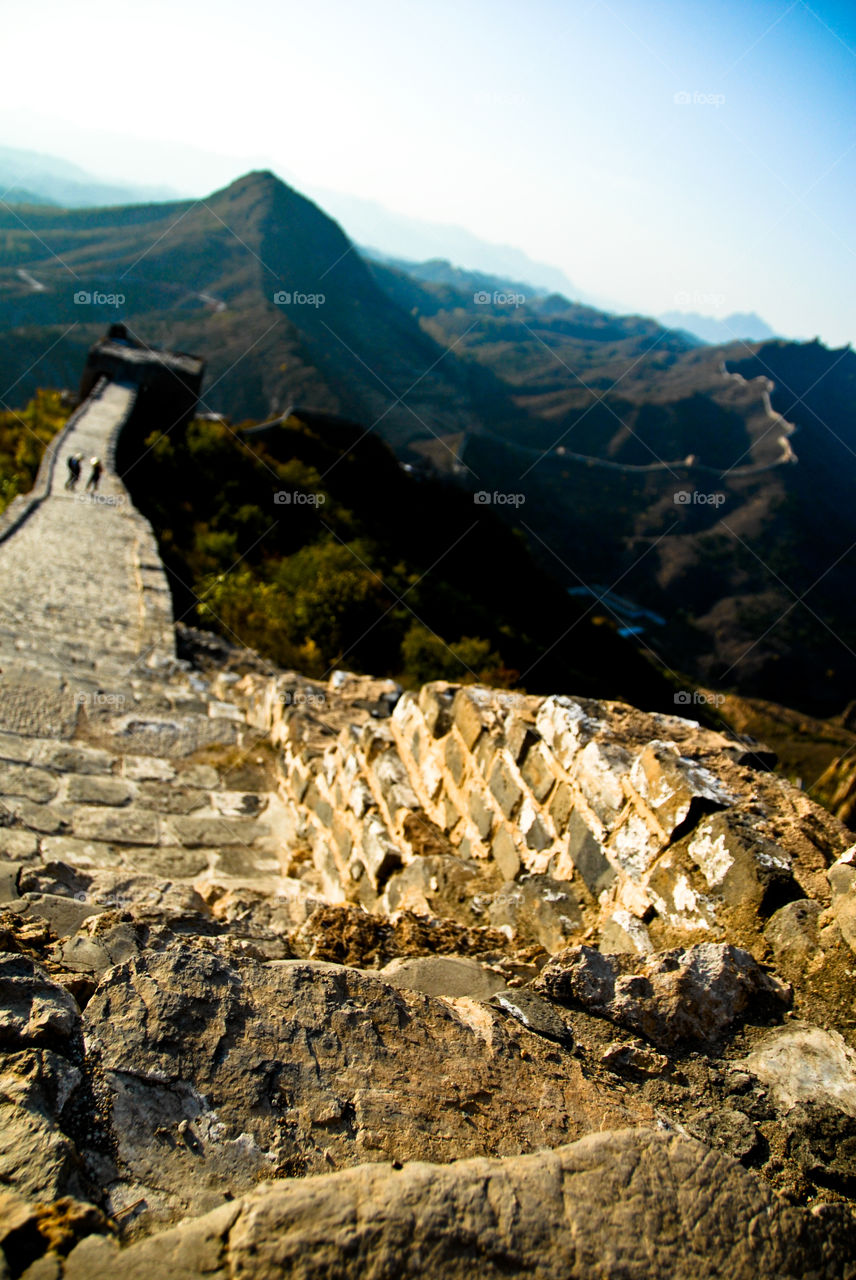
(637,460)
(740,324)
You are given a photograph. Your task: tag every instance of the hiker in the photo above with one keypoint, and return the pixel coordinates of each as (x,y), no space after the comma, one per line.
(74,461)
(94,475)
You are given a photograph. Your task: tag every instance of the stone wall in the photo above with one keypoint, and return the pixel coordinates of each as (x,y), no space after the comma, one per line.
(553,818)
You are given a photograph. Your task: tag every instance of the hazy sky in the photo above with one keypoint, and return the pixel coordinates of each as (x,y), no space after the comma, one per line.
(698,154)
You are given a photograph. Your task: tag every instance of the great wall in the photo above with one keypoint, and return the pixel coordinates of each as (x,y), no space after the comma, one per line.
(327,979)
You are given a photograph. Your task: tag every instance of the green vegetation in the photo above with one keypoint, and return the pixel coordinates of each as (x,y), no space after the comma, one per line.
(314,547)
(23,436)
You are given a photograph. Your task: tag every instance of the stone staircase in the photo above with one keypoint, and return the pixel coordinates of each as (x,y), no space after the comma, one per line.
(116,760)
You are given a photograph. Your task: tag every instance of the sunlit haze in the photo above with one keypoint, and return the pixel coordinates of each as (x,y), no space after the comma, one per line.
(689,156)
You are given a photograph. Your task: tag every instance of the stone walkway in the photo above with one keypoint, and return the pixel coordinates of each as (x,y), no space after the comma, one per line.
(113,754)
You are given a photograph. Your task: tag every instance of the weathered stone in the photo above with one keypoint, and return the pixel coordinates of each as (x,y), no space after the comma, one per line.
(538,909)
(35,1012)
(586,853)
(17,844)
(537,773)
(95,789)
(741,865)
(37,1159)
(435,703)
(801,1063)
(623,932)
(380,852)
(481,814)
(636,1058)
(23,780)
(636,1203)
(505,788)
(150,769)
(303,1063)
(63,914)
(454,758)
(566,728)
(793,931)
(842,874)
(442,976)
(121,827)
(505,853)
(599,769)
(673,998)
(536,1014)
(468,716)
(560,806)
(677,789)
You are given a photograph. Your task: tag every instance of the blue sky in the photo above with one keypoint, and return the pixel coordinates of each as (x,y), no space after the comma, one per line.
(698,155)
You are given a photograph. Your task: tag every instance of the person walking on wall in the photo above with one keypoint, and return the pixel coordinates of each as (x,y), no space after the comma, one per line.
(73,462)
(94,475)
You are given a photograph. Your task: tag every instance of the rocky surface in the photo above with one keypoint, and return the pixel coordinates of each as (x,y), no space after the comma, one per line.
(323,979)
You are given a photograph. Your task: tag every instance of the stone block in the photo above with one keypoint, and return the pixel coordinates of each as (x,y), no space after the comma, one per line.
(93,789)
(587,855)
(538,909)
(740,865)
(625,934)
(506,790)
(674,787)
(322,809)
(435,703)
(469,717)
(567,725)
(537,772)
(381,855)
(505,854)
(454,757)
(25,780)
(485,751)
(481,814)
(117,826)
(520,735)
(600,768)
(560,806)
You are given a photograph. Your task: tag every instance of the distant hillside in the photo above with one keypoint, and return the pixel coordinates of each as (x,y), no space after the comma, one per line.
(637,462)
